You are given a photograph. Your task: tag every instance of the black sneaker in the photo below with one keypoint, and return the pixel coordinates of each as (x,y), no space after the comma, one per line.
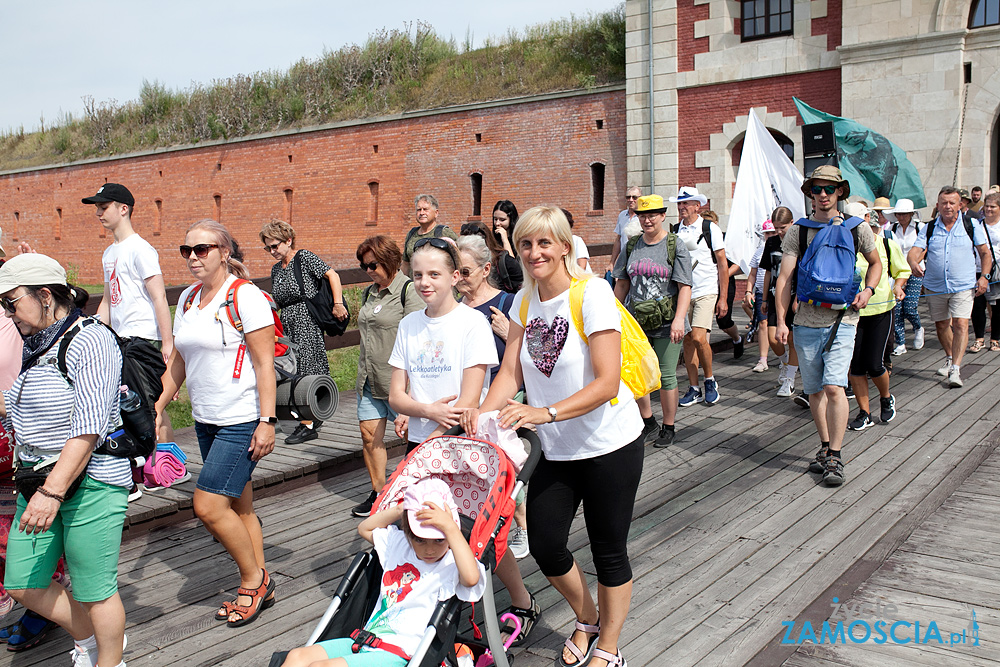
(861,422)
(801,399)
(834,473)
(849,390)
(738,348)
(302,433)
(649,429)
(819,463)
(666,437)
(365,508)
(888,409)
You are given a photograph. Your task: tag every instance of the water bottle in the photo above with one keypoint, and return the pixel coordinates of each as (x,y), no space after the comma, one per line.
(130,400)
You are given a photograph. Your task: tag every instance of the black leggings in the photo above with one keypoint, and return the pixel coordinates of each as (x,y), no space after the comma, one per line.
(870,343)
(606,485)
(979,318)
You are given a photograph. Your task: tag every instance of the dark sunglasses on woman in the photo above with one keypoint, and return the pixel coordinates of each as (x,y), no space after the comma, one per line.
(368,267)
(201,250)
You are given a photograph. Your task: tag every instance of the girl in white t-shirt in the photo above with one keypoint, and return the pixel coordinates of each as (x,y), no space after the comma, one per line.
(425,562)
(231,381)
(442,352)
(588,423)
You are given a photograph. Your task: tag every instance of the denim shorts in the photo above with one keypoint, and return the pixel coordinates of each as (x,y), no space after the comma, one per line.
(87,528)
(818,367)
(226,453)
(370,407)
(758,313)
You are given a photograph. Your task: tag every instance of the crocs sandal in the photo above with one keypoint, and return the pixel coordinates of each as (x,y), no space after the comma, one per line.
(261,598)
(528,618)
(581,657)
(613,659)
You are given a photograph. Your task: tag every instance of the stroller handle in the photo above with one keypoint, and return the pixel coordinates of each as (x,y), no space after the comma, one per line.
(534,456)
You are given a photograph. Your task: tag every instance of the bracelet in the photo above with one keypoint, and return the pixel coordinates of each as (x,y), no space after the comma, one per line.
(338,303)
(48,494)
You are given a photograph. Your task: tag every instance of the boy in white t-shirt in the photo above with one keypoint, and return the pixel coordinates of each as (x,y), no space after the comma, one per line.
(427,561)
(134,303)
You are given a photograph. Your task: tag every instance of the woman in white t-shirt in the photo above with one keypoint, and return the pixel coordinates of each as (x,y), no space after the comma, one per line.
(442,352)
(588,423)
(231,381)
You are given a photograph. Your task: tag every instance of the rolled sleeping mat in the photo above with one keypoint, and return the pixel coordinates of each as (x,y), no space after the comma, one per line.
(307,397)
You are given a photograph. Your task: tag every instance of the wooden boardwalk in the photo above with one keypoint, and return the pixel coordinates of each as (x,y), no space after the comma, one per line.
(730,538)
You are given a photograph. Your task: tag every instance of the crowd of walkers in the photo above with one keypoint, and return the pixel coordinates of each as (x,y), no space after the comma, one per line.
(505,317)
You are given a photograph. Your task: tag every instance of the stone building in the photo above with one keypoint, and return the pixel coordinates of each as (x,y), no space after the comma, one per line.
(924,73)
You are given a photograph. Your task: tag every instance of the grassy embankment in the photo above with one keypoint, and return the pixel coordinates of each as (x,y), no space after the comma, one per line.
(394,71)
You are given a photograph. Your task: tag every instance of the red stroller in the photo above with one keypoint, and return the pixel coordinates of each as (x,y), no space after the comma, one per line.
(482,478)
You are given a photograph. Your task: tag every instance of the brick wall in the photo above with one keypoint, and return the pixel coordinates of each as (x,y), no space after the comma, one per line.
(531,152)
(702,111)
(687,45)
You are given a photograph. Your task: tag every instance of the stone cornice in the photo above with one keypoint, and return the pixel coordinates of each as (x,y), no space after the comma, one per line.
(942,42)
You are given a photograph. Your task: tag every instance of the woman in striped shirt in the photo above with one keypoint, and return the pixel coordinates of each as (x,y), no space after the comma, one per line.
(80,508)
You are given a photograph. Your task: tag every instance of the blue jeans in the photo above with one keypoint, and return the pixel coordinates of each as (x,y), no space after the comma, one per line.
(226,453)
(818,367)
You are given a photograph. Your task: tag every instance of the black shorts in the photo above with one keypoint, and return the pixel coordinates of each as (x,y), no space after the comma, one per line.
(772,313)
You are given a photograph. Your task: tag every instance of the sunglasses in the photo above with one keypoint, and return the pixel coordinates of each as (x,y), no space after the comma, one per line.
(631,196)
(440,244)
(272,247)
(201,250)
(369,267)
(465,273)
(828,189)
(10,305)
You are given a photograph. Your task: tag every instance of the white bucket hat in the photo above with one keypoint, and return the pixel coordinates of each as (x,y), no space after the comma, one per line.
(902,206)
(690,194)
(855,210)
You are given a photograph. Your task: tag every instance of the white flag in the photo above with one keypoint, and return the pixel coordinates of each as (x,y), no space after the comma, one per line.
(767,179)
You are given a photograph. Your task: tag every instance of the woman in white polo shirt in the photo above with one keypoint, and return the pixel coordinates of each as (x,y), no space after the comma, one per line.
(231,381)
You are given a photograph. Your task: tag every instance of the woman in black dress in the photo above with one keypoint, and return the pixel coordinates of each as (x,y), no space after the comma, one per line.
(279,240)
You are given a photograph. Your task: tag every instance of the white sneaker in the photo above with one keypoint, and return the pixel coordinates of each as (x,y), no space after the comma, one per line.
(944,370)
(787,387)
(899,350)
(918,339)
(81,657)
(782,371)
(517,542)
(761,366)
(954,377)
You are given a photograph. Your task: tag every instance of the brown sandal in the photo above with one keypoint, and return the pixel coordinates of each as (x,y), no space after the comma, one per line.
(261,597)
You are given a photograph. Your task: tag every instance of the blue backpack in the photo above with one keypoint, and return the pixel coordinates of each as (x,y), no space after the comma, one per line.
(826,269)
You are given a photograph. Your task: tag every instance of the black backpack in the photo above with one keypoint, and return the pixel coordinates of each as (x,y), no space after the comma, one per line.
(706,233)
(968,230)
(142,369)
(438,233)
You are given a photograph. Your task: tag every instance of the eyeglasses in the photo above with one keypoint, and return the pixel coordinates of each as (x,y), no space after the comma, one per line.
(201,250)
(465,272)
(440,244)
(369,267)
(272,247)
(9,304)
(828,189)
(631,196)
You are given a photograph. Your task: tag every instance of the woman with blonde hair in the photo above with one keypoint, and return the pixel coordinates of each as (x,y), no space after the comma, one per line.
(224,347)
(588,424)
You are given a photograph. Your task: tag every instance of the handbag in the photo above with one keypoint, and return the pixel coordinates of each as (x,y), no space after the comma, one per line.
(652,314)
(28,480)
(321,306)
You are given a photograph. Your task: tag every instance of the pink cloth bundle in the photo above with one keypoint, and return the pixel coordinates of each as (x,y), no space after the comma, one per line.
(163,469)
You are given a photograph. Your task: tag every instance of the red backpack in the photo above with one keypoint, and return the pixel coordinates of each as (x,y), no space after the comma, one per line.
(284,353)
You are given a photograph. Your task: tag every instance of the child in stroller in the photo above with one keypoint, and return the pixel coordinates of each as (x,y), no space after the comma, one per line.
(427,561)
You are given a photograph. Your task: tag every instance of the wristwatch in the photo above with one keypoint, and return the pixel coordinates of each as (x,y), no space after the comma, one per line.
(552,414)
(268,420)
(871,288)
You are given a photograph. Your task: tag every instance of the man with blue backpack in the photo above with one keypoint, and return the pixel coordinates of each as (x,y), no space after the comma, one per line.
(950,243)
(819,253)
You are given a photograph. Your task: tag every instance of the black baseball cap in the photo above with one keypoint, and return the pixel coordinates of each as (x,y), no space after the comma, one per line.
(111,192)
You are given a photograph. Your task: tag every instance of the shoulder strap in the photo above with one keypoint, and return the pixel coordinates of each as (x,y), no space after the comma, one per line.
(190,298)
(502,271)
(439,231)
(968,229)
(630,246)
(803,240)
(671,247)
(297,270)
(989,242)
(66,340)
(232,304)
(706,232)
(402,295)
(523,314)
(930,229)
(888,257)
(503,299)
(576,306)
(365,294)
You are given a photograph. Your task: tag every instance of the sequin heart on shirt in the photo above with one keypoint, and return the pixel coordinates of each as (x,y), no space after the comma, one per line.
(545,342)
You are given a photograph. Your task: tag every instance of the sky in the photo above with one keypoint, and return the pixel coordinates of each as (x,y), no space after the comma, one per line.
(55,52)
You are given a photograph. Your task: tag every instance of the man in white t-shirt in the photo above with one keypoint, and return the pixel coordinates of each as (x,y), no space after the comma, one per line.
(626,219)
(710,282)
(135,300)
